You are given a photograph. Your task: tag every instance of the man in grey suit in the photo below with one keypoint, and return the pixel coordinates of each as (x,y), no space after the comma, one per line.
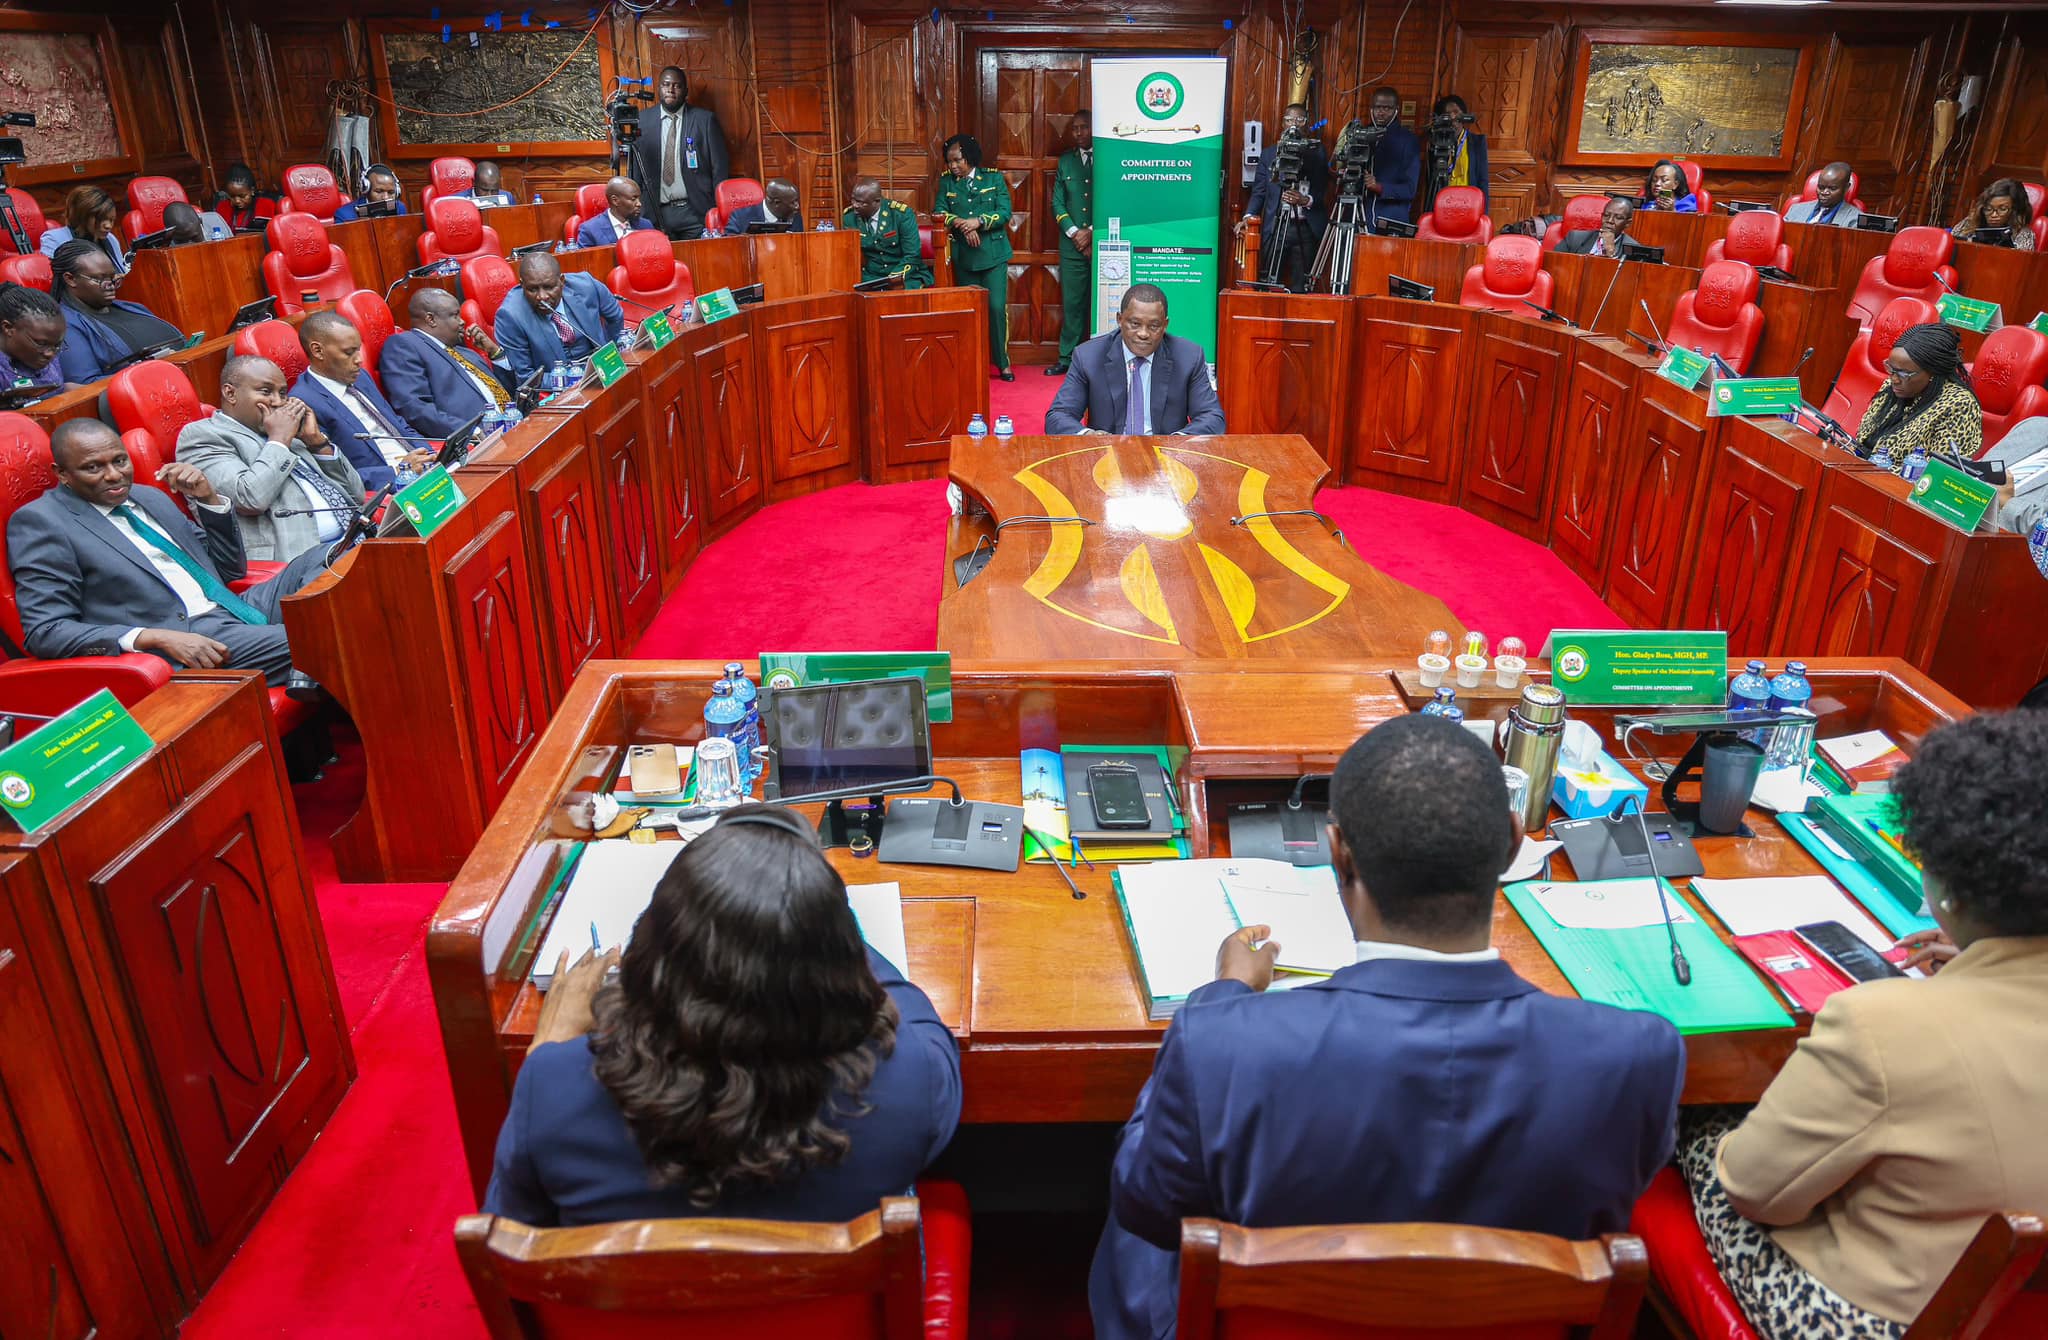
(1169,375)
(1609,237)
(679,159)
(103,565)
(263,452)
(1830,203)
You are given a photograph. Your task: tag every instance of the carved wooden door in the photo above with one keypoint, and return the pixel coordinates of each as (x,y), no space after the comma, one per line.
(1026,100)
(1408,403)
(1514,398)
(1860,589)
(1594,418)
(678,469)
(808,409)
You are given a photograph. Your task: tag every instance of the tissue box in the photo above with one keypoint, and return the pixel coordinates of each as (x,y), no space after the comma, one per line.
(1599,791)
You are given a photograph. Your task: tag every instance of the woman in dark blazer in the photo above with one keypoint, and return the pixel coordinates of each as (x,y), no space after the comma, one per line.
(1469,168)
(753,1060)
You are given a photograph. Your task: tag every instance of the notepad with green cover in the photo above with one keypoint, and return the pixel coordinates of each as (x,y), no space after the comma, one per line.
(1632,969)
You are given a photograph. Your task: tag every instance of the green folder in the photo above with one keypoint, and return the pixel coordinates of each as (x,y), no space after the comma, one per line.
(1632,968)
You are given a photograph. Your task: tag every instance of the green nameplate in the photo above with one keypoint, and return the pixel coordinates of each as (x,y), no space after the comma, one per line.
(716,306)
(57,766)
(791,669)
(1682,366)
(2039,323)
(1748,396)
(657,331)
(610,363)
(1967,313)
(1646,668)
(1953,495)
(430,500)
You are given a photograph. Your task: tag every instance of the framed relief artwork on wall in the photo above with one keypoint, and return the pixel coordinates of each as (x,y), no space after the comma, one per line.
(1722,100)
(62,69)
(462,93)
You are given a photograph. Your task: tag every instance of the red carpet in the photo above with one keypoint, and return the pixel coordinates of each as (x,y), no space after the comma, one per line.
(358,1243)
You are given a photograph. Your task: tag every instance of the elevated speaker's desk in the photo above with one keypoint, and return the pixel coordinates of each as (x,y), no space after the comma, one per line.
(450,652)
(1174,561)
(1040,988)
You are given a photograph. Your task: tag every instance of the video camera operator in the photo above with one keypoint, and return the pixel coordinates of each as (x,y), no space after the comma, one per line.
(1457,153)
(679,158)
(1291,199)
(1394,170)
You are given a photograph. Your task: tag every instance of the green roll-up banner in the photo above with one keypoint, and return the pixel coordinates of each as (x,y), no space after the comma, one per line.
(1159,186)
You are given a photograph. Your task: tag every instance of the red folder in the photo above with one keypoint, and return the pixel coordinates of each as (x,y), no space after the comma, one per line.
(1804,976)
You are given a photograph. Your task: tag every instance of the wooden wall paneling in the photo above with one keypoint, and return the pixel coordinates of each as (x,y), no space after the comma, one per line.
(568,551)
(1591,425)
(1869,573)
(1519,373)
(881,98)
(159,88)
(1657,484)
(797,75)
(620,451)
(67,1271)
(298,60)
(809,359)
(1501,70)
(726,411)
(2014,139)
(922,357)
(1995,587)
(1283,366)
(1754,526)
(709,44)
(488,587)
(1408,414)
(678,464)
(1872,115)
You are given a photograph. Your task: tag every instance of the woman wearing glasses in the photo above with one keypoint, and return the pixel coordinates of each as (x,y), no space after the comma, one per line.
(102,331)
(1925,403)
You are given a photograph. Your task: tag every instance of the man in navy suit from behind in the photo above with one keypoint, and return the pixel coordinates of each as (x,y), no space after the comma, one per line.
(1170,374)
(621,215)
(1426,1083)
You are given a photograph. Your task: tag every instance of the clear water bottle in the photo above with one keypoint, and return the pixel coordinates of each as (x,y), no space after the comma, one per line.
(1444,705)
(1750,691)
(1914,466)
(559,378)
(725,718)
(1790,689)
(536,197)
(1004,428)
(977,428)
(509,415)
(1788,744)
(750,698)
(492,422)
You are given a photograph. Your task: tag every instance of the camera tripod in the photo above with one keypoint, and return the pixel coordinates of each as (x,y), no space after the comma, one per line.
(1273,253)
(11,219)
(1340,243)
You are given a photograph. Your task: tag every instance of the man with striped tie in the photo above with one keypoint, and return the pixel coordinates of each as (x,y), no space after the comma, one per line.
(430,377)
(554,318)
(103,565)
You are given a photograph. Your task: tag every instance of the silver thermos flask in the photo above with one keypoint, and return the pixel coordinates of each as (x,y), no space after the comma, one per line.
(1534,734)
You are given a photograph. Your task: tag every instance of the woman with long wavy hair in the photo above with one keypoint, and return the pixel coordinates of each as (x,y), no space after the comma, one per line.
(754,1059)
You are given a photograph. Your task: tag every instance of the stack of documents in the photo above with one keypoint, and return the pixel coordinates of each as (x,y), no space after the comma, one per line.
(1180,912)
(1045,812)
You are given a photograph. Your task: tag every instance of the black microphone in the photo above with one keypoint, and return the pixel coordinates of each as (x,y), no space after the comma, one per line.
(1662,344)
(1721,366)
(1301,784)
(1549,315)
(440,267)
(361,524)
(1830,430)
(1680,969)
(313,511)
(1802,362)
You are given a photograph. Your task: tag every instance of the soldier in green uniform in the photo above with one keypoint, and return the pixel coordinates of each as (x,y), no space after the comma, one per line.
(976,206)
(1073,210)
(889,244)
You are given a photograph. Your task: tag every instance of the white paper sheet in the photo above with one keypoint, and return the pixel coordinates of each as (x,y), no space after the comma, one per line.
(1178,918)
(1300,905)
(1529,859)
(879,910)
(611,886)
(1609,905)
(1753,906)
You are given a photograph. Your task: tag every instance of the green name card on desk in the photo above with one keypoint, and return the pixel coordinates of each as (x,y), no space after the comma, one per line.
(657,331)
(57,766)
(610,363)
(1640,668)
(430,500)
(1753,396)
(716,306)
(793,669)
(1683,367)
(1967,313)
(2039,323)
(1953,495)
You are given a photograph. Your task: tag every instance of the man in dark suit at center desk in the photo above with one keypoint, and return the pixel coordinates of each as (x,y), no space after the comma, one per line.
(1609,237)
(1425,1083)
(554,318)
(430,377)
(1137,379)
(679,158)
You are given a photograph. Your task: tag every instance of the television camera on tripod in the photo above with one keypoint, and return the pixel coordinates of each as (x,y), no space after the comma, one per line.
(1351,165)
(13,151)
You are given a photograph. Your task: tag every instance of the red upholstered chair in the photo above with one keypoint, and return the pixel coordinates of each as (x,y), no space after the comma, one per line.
(1691,172)
(1811,191)
(737,193)
(32,270)
(309,189)
(1721,315)
(1863,370)
(1403,1281)
(1913,266)
(366,309)
(2008,377)
(648,272)
(590,203)
(30,213)
(152,402)
(1754,237)
(277,341)
(1998,1290)
(486,279)
(1513,270)
(446,176)
(147,197)
(1459,215)
(46,688)
(305,260)
(1581,212)
(865,1279)
(456,232)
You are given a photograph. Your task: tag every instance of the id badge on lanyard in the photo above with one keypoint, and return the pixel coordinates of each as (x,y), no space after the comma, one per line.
(690,151)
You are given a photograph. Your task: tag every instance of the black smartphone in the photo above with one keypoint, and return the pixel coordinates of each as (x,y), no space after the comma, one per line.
(1117,797)
(1857,960)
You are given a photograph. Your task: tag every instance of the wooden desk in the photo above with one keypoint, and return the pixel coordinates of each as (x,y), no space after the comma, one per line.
(202,364)
(200,286)
(1040,988)
(1163,569)
(174,1041)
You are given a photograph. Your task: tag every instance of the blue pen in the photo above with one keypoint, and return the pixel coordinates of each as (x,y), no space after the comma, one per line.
(596,942)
